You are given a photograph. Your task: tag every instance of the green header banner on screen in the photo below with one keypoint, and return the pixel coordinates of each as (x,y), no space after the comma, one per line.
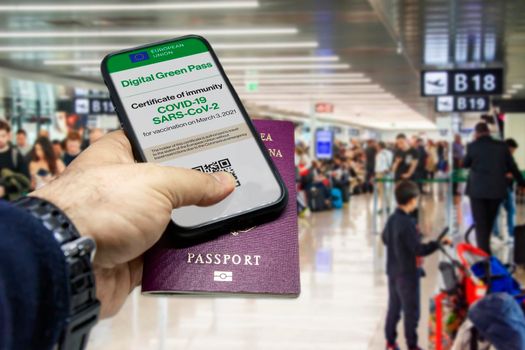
(155,54)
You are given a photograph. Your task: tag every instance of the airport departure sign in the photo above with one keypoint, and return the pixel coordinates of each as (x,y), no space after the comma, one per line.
(462,82)
(94,106)
(462,104)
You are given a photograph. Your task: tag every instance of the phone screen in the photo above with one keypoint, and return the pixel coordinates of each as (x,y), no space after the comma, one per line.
(183,114)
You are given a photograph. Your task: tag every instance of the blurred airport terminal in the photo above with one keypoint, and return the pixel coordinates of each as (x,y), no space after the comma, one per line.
(379,92)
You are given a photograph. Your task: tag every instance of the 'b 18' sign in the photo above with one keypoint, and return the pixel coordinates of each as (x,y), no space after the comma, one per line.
(462,82)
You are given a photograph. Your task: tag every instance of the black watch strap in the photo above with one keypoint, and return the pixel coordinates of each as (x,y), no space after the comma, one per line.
(84,306)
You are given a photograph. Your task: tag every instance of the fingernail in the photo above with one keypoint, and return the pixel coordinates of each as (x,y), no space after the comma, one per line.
(223,177)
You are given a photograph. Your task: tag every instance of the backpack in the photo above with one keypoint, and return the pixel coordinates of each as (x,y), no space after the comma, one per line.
(337,198)
(17,185)
(499,319)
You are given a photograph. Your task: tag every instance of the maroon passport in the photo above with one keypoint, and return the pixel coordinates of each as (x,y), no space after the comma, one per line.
(259,260)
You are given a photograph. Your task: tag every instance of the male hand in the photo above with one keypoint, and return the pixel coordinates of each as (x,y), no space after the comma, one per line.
(125,207)
(2,191)
(405,176)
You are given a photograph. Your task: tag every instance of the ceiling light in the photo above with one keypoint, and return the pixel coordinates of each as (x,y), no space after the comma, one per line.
(286,67)
(351,78)
(310,96)
(195,5)
(70,62)
(89,69)
(265,67)
(113,47)
(293,88)
(303,81)
(223,60)
(511,91)
(263,78)
(258,46)
(279,59)
(321,90)
(506,96)
(286,76)
(148,33)
(378,105)
(61,48)
(517,86)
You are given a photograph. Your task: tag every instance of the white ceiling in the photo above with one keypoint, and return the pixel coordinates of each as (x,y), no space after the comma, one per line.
(297,52)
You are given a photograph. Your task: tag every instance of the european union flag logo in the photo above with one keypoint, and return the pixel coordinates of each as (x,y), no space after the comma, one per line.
(139,56)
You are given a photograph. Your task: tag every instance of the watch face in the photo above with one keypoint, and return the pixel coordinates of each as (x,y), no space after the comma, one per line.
(83,246)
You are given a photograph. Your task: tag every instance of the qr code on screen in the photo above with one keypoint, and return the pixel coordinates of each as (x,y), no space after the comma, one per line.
(219,165)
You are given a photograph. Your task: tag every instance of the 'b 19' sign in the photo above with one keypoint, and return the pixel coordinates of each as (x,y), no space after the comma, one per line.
(462,82)
(462,104)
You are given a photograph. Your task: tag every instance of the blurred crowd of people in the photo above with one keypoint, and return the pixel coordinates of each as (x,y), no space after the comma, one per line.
(360,165)
(364,165)
(25,165)
(356,167)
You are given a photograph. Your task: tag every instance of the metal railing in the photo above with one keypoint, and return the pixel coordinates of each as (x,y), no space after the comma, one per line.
(388,201)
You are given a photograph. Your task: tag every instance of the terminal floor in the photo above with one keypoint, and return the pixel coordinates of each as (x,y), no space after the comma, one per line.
(342,304)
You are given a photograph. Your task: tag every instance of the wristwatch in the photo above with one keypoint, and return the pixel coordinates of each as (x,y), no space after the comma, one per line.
(78,252)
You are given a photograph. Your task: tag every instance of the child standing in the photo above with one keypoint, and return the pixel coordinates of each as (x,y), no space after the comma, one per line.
(404,246)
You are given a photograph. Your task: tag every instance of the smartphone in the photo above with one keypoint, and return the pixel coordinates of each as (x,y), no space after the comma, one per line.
(179,109)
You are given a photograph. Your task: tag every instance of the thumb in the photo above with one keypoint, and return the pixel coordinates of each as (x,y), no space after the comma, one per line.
(185,187)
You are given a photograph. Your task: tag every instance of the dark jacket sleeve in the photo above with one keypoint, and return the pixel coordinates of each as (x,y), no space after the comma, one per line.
(515,170)
(34,291)
(467,161)
(412,240)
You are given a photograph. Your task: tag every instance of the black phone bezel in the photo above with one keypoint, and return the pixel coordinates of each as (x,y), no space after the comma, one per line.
(250,217)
